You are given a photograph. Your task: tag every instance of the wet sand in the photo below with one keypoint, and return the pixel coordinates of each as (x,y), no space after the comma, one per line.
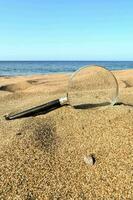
(43,157)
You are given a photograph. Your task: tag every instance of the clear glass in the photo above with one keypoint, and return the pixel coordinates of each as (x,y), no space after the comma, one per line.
(92,85)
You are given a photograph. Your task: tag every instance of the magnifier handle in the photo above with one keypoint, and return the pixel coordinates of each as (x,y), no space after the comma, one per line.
(44,108)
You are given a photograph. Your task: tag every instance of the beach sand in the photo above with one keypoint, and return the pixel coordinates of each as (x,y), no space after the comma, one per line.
(43,157)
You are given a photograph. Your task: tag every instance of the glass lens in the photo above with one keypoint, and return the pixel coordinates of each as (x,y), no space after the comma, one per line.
(92,85)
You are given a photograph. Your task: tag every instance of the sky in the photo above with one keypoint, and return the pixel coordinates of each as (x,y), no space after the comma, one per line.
(66,30)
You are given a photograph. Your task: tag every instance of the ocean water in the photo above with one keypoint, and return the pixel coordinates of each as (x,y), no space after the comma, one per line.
(13,68)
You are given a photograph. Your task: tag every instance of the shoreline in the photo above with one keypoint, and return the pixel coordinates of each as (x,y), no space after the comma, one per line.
(59,73)
(24,75)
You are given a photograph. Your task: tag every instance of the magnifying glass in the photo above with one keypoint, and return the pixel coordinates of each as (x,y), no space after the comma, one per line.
(88,87)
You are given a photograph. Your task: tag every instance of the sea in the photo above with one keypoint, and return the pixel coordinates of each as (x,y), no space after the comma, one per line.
(15,68)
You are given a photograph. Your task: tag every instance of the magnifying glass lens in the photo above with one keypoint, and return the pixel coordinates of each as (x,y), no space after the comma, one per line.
(92,85)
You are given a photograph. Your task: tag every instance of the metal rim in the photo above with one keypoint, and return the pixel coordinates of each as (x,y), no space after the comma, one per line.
(98,66)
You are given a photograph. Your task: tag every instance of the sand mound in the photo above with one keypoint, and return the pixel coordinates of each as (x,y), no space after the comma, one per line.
(15,87)
(129,82)
(45,160)
(37,81)
(46,157)
(28,156)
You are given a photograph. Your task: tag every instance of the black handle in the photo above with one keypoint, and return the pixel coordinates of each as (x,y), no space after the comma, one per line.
(44,108)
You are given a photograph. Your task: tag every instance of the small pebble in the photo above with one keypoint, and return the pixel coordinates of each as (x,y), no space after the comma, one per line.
(89,160)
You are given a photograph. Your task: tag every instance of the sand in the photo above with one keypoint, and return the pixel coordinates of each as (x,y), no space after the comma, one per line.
(44,157)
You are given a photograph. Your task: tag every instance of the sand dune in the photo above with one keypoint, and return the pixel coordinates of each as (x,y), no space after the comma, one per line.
(42,157)
(15,87)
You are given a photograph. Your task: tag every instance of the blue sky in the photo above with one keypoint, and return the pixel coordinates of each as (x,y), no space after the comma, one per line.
(66,30)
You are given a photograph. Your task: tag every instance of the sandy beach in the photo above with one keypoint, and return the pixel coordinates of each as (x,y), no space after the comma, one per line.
(43,157)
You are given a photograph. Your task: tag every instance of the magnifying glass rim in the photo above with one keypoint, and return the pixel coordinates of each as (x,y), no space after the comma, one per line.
(98,66)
